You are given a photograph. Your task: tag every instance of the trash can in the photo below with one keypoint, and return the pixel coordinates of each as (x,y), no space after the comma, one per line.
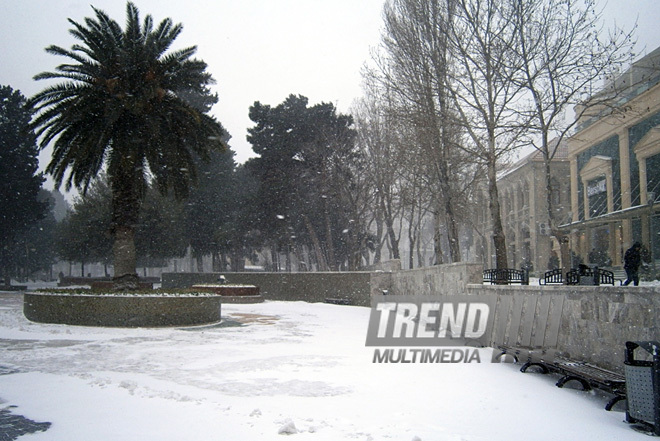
(643,384)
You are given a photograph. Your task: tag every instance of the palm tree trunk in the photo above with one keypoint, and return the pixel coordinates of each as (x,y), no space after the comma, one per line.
(124,259)
(125,212)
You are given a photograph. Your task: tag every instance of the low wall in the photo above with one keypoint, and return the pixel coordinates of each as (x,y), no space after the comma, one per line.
(596,321)
(356,286)
(128,311)
(309,287)
(445,279)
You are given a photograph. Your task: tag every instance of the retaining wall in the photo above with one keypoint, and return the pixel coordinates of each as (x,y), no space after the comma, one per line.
(358,287)
(446,279)
(309,287)
(596,321)
(122,310)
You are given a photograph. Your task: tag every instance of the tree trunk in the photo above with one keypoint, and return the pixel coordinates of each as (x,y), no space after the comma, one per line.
(392,240)
(562,238)
(320,259)
(274,256)
(287,262)
(330,247)
(126,179)
(437,240)
(452,229)
(499,238)
(123,249)
(412,238)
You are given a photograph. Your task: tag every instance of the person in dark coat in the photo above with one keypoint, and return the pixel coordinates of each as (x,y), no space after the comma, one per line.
(631,261)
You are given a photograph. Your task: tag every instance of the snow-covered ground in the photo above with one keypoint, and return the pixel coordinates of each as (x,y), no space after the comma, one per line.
(272,371)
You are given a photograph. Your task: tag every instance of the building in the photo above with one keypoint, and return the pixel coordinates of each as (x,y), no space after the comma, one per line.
(615,167)
(523,206)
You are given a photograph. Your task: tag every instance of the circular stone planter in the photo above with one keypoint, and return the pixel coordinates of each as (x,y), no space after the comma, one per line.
(126,311)
(232,293)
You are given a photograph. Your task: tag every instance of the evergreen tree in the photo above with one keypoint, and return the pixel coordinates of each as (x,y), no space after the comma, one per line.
(19,183)
(120,105)
(304,174)
(85,234)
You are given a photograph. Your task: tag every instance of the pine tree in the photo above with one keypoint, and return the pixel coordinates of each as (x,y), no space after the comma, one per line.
(19,181)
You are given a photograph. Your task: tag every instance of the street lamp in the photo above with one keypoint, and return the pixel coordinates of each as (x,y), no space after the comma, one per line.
(651,200)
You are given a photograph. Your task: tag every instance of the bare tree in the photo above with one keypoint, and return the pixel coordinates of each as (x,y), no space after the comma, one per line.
(563,52)
(378,141)
(415,69)
(481,39)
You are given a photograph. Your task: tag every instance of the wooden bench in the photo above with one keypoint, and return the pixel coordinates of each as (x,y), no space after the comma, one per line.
(526,329)
(588,375)
(506,276)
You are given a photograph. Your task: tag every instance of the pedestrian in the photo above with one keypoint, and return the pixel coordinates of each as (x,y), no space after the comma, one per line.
(631,261)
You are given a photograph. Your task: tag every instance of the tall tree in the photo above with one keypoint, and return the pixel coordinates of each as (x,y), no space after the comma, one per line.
(416,69)
(211,204)
(481,37)
(33,248)
(120,104)
(563,53)
(160,233)
(20,182)
(84,234)
(302,151)
(378,139)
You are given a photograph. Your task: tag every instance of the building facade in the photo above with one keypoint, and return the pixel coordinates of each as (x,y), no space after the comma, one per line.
(525,217)
(615,169)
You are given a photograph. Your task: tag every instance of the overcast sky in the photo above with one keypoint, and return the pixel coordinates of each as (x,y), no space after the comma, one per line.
(257,50)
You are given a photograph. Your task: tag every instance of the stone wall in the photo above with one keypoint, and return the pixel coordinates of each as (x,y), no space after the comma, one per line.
(358,287)
(309,287)
(127,311)
(440,279)
(596,321)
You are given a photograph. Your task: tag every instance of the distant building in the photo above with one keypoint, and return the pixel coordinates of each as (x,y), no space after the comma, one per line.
(615,167)
(522,190)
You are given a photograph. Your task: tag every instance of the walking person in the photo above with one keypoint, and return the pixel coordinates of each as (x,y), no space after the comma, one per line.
(631,261)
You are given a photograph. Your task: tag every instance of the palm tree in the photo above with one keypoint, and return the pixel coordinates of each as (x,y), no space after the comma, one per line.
(120,105)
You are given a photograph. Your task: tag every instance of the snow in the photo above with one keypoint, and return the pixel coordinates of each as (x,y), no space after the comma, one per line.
(273,371)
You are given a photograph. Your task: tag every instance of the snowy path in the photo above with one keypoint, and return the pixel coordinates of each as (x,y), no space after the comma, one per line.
(272,369)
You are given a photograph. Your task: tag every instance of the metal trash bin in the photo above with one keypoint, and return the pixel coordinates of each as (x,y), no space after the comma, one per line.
(643,385)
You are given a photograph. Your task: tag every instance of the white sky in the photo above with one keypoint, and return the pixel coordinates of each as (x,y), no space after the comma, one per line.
(257,50)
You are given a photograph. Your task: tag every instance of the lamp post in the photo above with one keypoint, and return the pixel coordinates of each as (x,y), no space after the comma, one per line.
(651,201)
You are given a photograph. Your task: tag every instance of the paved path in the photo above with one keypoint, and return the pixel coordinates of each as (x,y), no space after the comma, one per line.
(13,426)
